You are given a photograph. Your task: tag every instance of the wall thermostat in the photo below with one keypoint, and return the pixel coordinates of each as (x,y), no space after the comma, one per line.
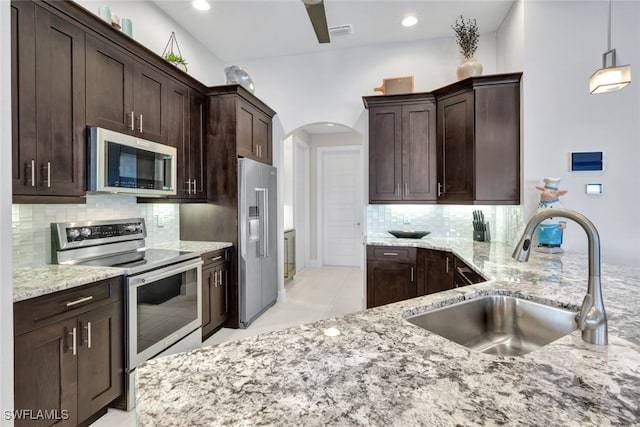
(594,188)
(586,161)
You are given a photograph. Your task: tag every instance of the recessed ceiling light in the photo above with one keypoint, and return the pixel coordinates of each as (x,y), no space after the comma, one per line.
(201,4)
(330,124)
(409,21)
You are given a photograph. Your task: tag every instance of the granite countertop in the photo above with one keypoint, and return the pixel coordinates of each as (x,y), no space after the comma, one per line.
(193,246)
(382,370)
(31,282)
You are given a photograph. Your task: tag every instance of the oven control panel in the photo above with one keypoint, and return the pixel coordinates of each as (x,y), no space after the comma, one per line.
(89,233)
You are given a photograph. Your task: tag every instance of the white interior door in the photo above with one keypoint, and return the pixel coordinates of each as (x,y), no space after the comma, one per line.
(341,206)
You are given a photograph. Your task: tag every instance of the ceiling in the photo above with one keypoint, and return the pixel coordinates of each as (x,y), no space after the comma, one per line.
(236,30)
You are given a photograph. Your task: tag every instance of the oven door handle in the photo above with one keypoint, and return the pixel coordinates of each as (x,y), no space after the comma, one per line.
(155,275)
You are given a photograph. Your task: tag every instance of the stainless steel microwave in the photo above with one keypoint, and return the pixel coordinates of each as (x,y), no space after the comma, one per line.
(120,163)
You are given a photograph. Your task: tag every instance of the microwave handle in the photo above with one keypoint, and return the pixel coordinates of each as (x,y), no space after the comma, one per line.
(156,275)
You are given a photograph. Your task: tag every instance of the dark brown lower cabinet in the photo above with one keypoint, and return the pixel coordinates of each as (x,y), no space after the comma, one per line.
(438,268)
(391,275)
(69,354)
(215,291)
(396,273)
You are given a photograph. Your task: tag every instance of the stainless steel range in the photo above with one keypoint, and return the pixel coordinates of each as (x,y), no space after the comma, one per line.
(163,312)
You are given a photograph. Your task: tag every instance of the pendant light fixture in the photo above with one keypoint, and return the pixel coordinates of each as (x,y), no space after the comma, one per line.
(609,78)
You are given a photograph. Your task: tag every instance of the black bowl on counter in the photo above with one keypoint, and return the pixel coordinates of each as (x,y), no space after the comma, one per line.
(408,234)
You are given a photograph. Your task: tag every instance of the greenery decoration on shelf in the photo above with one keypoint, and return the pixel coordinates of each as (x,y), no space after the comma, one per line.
(467,36)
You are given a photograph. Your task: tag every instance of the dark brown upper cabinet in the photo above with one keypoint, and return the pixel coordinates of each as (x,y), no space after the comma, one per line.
(48,106)
(479,140)
(124,94)
(469,152)
(253,129)
(402,148)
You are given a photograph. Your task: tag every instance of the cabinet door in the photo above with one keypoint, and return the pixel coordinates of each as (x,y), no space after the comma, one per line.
(497,155)
(110,87)
(45,372)
(23,99)
(262,137)
(389,282)
(100,358)
(455,147)
(207,292)
(385,154)
(419,152)
(197,169)
(438,271)
(178,134)
(60,87)
(220,296)
(149,103)
(245,118)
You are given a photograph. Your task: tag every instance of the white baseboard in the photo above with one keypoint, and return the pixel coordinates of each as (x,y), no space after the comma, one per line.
(314,263)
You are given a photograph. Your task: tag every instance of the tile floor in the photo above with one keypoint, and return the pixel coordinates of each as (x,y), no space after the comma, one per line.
(314,293)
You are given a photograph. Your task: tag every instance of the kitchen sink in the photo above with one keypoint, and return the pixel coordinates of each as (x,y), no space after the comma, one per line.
(498,324)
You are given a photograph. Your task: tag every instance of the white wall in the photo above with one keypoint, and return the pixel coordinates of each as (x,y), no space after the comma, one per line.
(152,28)
(288,183)
(6,292)
(328,87)
(563,46)
(510,40)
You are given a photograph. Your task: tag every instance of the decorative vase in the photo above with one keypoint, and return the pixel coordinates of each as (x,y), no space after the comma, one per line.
(469,68)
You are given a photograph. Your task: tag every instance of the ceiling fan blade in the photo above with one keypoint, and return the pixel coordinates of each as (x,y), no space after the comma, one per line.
(318,19)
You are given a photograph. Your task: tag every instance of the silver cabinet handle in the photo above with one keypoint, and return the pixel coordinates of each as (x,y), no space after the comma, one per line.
(79,301)
(398,189)
(88,340)
(140,128)
(188,186)
(406,189)
(412,274)
(49,174)
(33,172)
(390,253)
(132,121)
(447,270)
(216,258)
(195,186)
(440,190)
(74,347)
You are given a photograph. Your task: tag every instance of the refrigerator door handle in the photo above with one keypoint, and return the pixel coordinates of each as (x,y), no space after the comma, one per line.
(263,212)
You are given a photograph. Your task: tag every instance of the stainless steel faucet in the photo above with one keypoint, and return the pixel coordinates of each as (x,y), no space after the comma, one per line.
(591,318)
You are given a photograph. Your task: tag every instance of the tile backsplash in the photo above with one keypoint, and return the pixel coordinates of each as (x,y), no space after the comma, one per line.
(31,229)
(445,220)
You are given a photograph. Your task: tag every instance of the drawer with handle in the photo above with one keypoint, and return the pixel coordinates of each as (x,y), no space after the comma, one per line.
(391,253)
(40,311)
(216,257)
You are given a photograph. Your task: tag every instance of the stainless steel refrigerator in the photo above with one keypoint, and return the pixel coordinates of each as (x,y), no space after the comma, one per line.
(257,239)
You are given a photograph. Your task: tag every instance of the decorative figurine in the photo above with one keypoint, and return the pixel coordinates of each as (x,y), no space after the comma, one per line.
(550,230)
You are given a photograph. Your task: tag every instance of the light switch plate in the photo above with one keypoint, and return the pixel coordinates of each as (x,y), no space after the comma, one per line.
(594,189)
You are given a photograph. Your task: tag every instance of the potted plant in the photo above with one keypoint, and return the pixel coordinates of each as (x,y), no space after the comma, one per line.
(467,37)
(176,60)
(170,55)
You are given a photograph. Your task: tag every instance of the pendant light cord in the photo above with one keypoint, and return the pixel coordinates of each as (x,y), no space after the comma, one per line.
(609,29)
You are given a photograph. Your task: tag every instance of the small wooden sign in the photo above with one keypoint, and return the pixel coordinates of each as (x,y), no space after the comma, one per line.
(396,85)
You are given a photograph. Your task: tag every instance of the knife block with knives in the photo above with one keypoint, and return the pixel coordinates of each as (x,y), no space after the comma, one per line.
(481,231)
